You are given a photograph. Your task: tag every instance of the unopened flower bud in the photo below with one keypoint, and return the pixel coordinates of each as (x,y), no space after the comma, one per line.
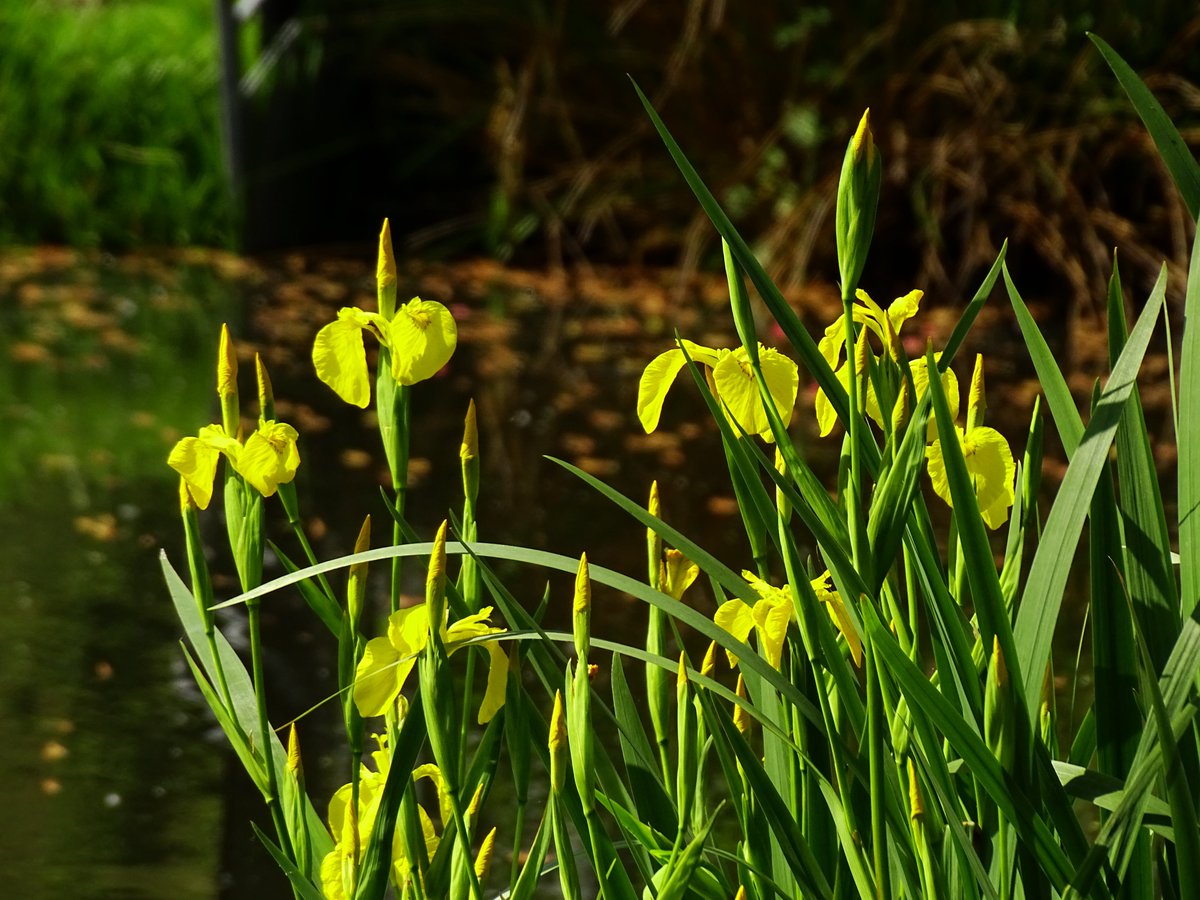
(385,273)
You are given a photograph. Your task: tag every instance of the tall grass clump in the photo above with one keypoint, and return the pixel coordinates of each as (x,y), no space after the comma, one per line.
(108,124)
(875,713)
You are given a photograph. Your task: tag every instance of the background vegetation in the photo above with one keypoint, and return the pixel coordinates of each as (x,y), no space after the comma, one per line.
(108,124)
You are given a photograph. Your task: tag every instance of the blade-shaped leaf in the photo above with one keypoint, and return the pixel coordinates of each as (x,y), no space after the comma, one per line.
(1171,147)
(1043,595)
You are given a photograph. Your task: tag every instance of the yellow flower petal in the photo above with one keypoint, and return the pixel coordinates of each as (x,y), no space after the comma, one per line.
(678,573)
(936,464)
(270,457)
(871,314)
(379,677)
(472,626)
(920,376)
(656,380)
(826,414)
(772,629)
(990,462)
(422,337)
(738,619)
(660,374)
(841,618)
(497,681)
(991,467)
(833,342)
(737,389)
(196,462)
(340,358)
(904,308)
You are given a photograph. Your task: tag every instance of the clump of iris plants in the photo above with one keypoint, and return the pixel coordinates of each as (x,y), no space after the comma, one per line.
(874,714)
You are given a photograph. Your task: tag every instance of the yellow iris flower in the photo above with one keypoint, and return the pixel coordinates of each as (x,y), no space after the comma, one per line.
(268,459)
(883,323)
(989,461)
(340,866)
(731,380)
(920,376)
(678,573)
(421,337)
(387,661)
(769,617)
(772,612)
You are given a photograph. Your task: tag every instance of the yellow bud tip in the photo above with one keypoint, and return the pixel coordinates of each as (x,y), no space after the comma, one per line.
(999,669)
(186,501)
(653,506)
(741,893)
(363,542)
(470,441)
(710,660)
(863,143)
(385,269)
(484,860)
(976,404)
(682,679)
(437,559)
(583,588)
(916,803)
(558,725)
(741,718)
(227,367)
(294,764)
(476,801)
(266,394)
(361,545)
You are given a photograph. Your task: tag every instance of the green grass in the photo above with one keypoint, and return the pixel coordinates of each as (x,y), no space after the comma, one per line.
(109,124)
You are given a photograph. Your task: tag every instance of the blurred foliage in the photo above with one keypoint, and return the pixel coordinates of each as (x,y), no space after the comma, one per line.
(513,129)
(108,124)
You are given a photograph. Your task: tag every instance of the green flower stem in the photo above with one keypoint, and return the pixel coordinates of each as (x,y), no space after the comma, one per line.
(254,609)
(202,591)
(287,496)
(876,726)
(518,835)
(465,709)
(399,484)
(854,488)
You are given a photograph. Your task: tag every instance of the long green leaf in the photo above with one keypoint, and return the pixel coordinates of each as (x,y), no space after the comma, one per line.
(891,504)
(1189,441)
(241,690)
(1054,386)
(641,763)
(377,858)
(305,890)
(967,319)
(783,824)
(1008,798)
(1151,576)
(1115,844)
(1171,147)
(1043,595)
(977,551)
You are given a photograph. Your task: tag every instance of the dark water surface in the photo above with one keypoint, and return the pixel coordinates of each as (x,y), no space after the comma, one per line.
(113,779)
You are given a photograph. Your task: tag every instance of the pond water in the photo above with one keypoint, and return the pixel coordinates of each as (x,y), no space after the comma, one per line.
(113,777)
